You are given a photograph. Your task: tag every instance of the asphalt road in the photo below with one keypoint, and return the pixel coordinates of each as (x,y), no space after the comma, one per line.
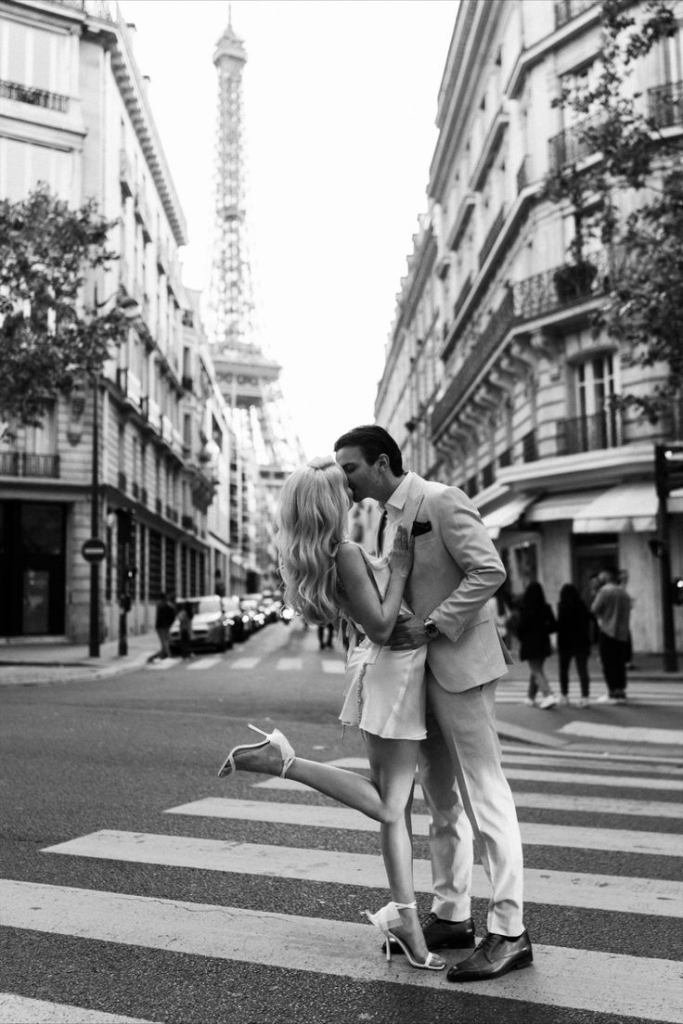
(250,910)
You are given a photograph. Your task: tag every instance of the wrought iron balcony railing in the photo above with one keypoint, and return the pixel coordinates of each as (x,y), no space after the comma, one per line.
(561,286)
(576,143)
(28,464)
(487,342)
(36,97)
(589,433)
(665,104)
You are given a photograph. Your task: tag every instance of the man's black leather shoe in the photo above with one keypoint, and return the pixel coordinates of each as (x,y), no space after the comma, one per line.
(494,956)
(441,934)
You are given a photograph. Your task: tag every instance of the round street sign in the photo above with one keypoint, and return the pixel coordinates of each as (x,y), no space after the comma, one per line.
(94,550)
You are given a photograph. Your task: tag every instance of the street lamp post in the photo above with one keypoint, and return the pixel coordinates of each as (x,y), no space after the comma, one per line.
(94,649)
(131,310)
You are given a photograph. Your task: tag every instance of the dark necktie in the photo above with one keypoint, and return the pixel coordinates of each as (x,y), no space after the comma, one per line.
(380,532)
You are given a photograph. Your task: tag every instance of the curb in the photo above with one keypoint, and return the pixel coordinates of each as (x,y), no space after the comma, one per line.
(87,674)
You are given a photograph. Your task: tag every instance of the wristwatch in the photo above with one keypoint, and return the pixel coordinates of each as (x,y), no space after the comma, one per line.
(431,629)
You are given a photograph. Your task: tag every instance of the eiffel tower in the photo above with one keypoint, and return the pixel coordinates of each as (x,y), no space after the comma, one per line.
(268,447)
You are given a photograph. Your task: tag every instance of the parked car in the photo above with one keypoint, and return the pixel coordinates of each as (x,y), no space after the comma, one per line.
(241,621)
(212,623)
(250,607)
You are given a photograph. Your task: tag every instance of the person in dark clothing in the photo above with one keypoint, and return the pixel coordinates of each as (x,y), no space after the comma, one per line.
(329,629)
(573,641)
(536,623)
(185,626)
(165,616)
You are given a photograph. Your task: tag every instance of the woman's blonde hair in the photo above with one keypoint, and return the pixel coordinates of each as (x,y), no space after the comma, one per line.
(313,520)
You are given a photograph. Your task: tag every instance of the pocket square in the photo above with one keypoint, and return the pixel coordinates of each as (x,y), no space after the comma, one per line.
(420,528)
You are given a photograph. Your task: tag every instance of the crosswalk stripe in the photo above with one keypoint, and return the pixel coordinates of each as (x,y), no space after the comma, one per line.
(649,764)
(203,663)
(38,1011)
(166,663)
(582,837)
(577,778)
(290,664)
(335,668)
(558,888)
(570,978)
(623,733)
(244,662)
(547,801)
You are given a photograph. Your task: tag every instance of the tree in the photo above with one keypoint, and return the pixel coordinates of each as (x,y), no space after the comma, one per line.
(48,339)
(617,153)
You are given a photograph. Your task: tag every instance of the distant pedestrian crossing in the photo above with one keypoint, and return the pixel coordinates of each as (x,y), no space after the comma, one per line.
(293,846)
(510,691)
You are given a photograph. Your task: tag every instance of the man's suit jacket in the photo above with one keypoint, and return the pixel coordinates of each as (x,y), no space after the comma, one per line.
(456,569)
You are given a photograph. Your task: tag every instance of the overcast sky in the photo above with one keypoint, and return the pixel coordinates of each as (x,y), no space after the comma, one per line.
(340,103)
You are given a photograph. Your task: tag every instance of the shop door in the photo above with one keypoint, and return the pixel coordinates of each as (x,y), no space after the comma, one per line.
(32,566)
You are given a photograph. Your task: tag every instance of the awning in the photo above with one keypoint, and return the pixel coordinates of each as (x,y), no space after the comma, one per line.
(507,514)
(629,508)
(561,506)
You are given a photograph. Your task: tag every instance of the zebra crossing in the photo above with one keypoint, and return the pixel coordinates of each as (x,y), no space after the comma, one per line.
(510,690)
(565,976)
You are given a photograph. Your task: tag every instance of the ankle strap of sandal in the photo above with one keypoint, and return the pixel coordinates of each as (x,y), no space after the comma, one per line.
(406,906)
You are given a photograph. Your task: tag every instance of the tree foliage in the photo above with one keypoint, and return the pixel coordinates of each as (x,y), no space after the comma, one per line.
(622,151)
(48,338)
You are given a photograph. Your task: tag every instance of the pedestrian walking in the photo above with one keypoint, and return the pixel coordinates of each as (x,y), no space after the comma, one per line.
(573,642)
(323,640)
(612,610)
(163,620)
(535,626)
(185,630)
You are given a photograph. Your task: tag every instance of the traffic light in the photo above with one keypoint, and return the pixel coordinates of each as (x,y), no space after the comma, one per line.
(668,468)
(677,591)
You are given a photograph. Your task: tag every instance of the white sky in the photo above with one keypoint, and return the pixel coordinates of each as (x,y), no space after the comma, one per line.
(340,102)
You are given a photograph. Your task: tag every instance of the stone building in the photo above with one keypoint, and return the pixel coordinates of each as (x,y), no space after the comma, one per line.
(74,114)
(494,379)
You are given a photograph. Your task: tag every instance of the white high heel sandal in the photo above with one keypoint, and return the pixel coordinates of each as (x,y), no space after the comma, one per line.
(275,737)
(390,915)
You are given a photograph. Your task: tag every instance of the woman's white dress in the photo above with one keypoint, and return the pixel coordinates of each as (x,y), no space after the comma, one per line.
(385,690)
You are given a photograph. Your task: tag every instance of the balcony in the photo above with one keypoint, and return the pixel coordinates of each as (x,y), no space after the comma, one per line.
(566,10)
(95,8)
(27,464)
(487,342)
(560,287)
(576,143)
(589,433)
(665,104)
(35,97)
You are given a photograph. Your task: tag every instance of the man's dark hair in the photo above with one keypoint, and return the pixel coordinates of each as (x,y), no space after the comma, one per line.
(373,441)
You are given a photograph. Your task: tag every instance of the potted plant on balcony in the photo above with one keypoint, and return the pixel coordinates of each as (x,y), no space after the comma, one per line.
(574,280)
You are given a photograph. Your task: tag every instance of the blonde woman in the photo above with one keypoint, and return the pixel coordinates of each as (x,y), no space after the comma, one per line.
(327,577)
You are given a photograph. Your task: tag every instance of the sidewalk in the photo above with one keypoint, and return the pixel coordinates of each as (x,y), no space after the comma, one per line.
(25,663)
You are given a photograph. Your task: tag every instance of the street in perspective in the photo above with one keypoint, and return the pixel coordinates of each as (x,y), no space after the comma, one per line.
(341,512)
(137,886)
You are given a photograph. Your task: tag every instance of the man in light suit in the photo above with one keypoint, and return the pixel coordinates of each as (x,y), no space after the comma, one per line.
(456,569)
